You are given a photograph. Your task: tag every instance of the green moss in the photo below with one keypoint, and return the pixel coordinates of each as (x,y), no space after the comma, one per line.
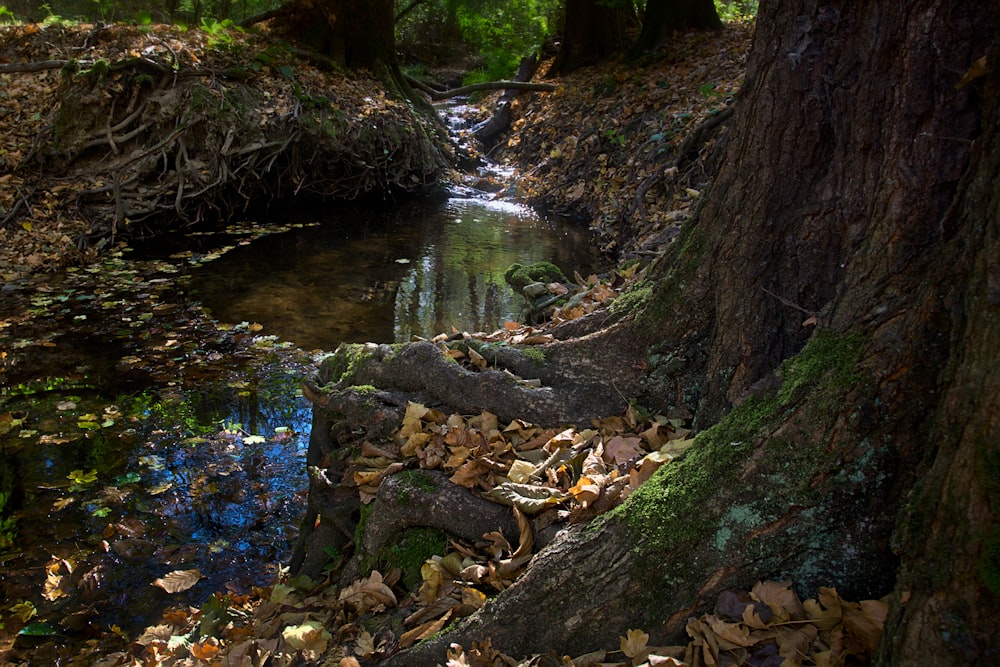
(410,550)
(534,355)
(635,299)
(826,354)
(518,275)
(364,388)
(343,364)
(364,515)
(417,479)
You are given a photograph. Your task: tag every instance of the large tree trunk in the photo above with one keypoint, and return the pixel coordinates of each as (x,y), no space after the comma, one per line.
(359,34)
(664,17)
(840,286)
(593,31)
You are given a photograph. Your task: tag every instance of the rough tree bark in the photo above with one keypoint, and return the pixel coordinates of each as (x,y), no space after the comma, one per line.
(664,17)
(593,31)
(839,287)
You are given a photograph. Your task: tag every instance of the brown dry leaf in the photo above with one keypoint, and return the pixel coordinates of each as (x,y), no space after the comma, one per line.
(178,580)
(731,635)
(779,596)
(410,637)
(828,612)
(863,626)
(368,594)
(621,449)
(206,649)
(634,644)
(364,645)
(478,360)
(470,474)
(794,640)
(375,477)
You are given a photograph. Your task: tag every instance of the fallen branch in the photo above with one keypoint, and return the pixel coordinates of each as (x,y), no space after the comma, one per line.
(486,85)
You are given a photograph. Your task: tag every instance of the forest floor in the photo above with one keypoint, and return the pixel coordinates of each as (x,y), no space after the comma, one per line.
(616,147)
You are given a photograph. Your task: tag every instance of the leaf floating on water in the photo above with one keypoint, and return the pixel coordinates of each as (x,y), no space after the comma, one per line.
(40,629)
(178,580)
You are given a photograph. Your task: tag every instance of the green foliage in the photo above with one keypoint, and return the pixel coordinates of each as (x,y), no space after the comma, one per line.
(6,16)
(614,137)
(220,32)
(736,10)
(500,33)
(8,525)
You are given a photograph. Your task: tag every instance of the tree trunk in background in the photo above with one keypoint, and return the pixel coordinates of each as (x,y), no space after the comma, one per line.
(664,17)
(841,287)
(593,31)
(359,34)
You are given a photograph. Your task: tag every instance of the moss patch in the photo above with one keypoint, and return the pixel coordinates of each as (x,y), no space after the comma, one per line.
(534,355)
(409,551)
(518,275)
(635,299)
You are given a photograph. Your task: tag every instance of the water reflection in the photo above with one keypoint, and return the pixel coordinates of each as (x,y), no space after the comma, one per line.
(418,269)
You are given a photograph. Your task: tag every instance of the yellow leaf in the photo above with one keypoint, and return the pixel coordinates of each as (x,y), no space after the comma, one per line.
(310,636)
(521,471)
(411,420)
(473,597)
(24,610)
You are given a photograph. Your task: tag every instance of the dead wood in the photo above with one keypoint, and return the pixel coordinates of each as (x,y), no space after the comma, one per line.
(486,85)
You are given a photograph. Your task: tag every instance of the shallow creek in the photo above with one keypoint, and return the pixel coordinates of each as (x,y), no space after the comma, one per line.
(150,415)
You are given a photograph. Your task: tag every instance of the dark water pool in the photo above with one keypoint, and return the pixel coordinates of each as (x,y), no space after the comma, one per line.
(418,269)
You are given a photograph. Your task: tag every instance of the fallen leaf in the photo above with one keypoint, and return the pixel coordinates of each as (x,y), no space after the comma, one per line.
(178,580)
(309,636)
(633,645)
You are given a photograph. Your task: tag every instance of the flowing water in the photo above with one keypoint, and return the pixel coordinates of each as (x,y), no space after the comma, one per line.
(141,436)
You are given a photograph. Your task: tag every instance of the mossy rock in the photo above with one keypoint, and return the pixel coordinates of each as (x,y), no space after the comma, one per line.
(519,275)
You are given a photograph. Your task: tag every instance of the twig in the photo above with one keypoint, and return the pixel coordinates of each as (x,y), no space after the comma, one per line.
(790,304)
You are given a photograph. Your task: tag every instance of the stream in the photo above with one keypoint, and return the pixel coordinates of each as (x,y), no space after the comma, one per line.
(151,420)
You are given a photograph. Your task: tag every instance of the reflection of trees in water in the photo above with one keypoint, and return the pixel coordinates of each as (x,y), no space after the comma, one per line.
(458,281)
(341,281)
